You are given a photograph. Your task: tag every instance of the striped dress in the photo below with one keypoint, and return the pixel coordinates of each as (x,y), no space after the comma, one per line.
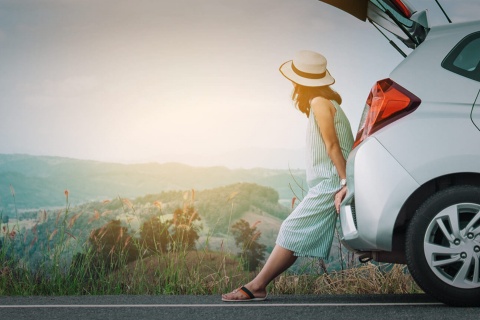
(308,231)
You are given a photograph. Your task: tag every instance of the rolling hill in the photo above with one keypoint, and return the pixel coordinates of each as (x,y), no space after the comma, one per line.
(29,182)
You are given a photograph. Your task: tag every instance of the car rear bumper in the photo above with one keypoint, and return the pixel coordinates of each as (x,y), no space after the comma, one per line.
(377,188)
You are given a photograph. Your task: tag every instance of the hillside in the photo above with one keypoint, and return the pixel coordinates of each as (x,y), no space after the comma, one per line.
(40,181)
(218,209)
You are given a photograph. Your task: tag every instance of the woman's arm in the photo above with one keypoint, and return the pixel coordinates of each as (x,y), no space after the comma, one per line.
(324,112)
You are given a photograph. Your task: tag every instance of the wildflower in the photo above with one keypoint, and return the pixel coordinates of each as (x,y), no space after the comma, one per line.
(95,216)
(71,235)
(127,241)
(73,219)
(158,204)
(52,234)
(102,232)
(58,217)
(194,214)
(232,195)
(293,201)
(105,213)
(256,235)
(44,216)
(33,241)
(256,224)
(128,203)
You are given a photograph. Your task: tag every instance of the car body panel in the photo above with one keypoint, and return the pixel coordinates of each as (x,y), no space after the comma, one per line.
(441,146)
(475,116)
(370,171)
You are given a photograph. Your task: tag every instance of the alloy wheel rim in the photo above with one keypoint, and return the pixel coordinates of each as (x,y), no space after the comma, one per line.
(452,245)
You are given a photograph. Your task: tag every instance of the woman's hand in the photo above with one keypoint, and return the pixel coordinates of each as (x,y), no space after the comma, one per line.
(339,196)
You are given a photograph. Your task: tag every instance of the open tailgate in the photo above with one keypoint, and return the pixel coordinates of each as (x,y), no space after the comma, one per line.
(396,16)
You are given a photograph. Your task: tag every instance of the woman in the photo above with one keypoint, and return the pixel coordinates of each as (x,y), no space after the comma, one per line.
(308,231)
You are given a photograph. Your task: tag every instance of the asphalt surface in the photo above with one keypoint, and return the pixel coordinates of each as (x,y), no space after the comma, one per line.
(211,307)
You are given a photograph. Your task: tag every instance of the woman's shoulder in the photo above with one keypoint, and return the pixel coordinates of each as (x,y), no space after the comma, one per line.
(322,103)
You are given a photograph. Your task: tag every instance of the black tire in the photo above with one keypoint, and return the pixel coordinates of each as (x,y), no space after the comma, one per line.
(451,271)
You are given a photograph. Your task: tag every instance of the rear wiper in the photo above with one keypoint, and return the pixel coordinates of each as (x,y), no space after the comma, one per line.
(389,40)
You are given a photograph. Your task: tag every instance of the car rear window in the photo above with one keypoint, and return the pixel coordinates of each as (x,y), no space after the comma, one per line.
(387,5)
(464,59)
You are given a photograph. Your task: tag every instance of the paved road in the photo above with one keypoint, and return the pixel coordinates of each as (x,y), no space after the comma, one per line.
(210,307)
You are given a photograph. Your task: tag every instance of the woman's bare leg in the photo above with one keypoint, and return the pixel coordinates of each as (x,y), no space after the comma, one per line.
(280,260)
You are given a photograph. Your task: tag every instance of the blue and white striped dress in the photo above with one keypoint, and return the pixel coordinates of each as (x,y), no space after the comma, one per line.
(308,231)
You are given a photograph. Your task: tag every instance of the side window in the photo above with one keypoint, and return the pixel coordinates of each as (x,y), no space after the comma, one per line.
(464,59)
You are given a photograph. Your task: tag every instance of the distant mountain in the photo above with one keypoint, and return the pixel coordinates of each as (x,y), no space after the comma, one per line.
(40,181)
(242,158)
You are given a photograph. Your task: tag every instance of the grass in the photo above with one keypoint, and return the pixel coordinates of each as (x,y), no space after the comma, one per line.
(194,272)
(365,279)
(200,273)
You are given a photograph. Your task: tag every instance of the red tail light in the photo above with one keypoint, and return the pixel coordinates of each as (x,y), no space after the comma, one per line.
(386,103)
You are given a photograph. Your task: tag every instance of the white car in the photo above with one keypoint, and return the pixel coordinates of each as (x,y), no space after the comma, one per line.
(413,175)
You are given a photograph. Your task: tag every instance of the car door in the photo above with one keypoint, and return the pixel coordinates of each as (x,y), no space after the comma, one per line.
(396,16)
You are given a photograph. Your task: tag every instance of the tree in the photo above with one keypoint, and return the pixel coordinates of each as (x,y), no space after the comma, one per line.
(154,235)
(111,245)
(246,239)
(185,231)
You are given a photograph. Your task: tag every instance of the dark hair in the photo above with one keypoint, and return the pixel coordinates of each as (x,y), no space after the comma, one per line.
(302,96)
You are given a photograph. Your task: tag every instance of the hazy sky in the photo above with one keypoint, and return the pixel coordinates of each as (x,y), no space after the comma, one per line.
(184,80)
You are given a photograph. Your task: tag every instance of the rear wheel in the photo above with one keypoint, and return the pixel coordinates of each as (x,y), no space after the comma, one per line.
(443,246)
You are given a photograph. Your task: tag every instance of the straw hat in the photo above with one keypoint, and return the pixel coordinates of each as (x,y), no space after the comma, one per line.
(308,69)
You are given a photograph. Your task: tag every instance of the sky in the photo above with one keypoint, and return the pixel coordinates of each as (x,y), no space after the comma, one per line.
(185,80)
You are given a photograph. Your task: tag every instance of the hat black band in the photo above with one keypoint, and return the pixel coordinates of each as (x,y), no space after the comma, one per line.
(308,75)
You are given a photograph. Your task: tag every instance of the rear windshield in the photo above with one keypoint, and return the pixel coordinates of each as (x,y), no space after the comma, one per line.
(385,5)
(464,59)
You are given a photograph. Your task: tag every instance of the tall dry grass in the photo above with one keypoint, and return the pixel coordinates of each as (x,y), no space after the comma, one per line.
(364,279)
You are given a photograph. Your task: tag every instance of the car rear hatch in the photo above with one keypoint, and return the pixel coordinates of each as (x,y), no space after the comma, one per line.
(396,16)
